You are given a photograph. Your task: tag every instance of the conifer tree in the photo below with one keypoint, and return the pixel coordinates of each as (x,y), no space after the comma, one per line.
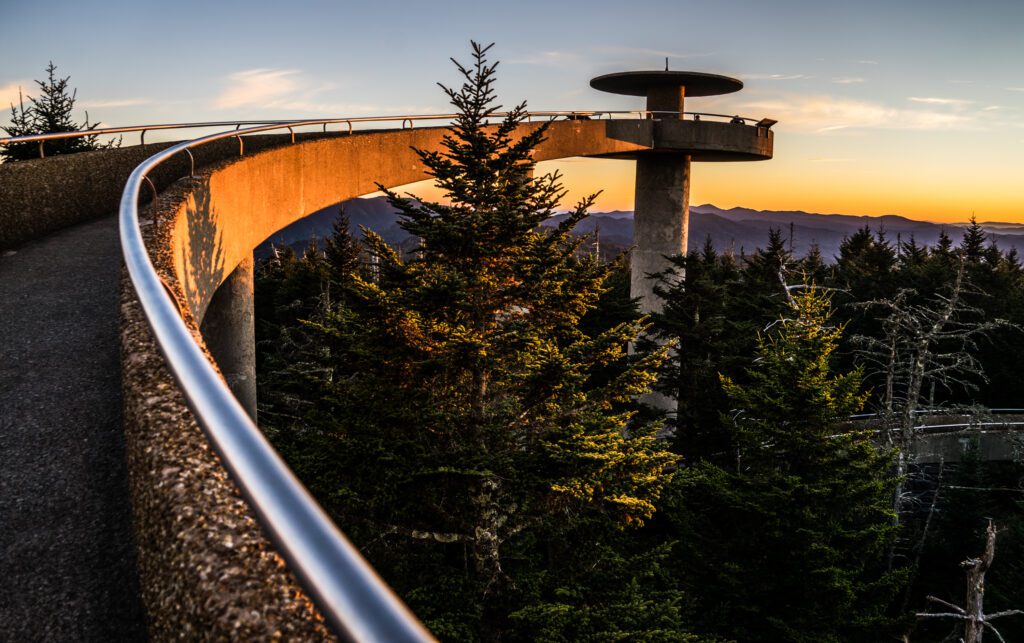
(469,449)
(788,542)
(972,244)
(50,112)
(697,316)
(813,266)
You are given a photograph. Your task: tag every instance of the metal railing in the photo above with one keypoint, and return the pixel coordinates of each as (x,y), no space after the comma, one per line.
(981,420)
(40,139)
(100,131)
(357,603)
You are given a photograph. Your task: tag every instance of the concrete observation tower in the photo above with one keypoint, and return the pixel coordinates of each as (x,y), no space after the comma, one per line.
(662,201)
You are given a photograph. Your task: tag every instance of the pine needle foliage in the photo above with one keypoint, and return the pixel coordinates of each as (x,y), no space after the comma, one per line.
(50,112)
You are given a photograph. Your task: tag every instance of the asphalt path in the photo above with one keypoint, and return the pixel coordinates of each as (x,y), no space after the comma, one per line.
(67,558)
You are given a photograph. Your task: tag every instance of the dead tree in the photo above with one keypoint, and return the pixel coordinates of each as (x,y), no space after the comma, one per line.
(973,613)
(924,345)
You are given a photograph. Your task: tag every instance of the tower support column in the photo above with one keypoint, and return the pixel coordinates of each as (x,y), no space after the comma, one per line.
(661,220)
(229,330)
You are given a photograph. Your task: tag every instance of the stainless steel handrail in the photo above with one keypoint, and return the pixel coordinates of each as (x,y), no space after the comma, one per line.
(354,599)
(29,138)
(53,136)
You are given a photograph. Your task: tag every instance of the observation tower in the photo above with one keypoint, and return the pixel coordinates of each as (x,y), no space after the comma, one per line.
(662,201)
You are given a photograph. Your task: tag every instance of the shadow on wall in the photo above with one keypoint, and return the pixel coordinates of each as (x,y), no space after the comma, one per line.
(201,254)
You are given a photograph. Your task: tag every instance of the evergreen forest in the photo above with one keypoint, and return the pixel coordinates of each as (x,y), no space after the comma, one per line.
(472,415)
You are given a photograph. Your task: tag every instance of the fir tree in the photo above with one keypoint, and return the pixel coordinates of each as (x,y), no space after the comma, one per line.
(472,448)
(788,543)
(51,112)
(696,315)
(972,244)
(813,266)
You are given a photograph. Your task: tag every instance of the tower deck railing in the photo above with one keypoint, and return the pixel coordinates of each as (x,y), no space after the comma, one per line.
(351,124)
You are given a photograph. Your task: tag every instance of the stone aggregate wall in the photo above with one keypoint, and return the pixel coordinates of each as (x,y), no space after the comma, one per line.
(40,196)
(207,571)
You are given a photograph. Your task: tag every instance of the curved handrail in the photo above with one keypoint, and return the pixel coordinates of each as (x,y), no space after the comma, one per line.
(356,602)
(53,136)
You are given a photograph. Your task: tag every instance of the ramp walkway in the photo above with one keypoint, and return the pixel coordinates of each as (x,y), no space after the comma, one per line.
(67,569)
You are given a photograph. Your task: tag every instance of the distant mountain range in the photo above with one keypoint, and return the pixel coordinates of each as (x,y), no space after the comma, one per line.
(739,229)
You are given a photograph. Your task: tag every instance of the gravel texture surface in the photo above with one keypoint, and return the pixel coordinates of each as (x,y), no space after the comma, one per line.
(67,555)
(207,570)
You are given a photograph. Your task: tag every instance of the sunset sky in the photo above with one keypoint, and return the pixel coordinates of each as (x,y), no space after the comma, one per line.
(897,106)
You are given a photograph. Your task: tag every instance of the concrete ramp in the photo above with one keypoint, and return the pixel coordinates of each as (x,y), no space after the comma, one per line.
(67,558)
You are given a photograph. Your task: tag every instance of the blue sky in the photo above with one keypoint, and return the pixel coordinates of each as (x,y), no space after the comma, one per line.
(909,107)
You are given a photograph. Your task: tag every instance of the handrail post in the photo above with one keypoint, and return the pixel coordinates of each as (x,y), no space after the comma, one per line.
(192,161)
(152,187)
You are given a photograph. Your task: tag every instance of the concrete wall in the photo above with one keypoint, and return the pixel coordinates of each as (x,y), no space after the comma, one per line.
(207,570)
(231,209)
(41,196)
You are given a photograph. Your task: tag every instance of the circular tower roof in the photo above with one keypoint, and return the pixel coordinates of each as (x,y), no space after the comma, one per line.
(637,83)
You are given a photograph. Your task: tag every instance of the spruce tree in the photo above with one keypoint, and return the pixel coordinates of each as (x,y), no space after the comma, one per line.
(475,447)
(51,112)
(788,542)
(696,315)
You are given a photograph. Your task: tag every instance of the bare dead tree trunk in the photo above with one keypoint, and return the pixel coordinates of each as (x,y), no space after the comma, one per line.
(974,602)
(973,613)
(486,535)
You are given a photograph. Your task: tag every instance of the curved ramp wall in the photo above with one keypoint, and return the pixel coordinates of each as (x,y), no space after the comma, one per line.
(207,570)
(41,196)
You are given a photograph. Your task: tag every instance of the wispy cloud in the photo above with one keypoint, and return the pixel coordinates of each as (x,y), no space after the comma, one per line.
(1015,89)
(259,88)
(991,108)
(774,76)
(849,81)
(289,90)
(866,62)
(547,58)
(113,103)
(341,109)
(830,114)
(9,93)
(934,100)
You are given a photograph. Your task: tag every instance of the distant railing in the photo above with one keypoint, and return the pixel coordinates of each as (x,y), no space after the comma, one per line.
(980,419)
(550,115)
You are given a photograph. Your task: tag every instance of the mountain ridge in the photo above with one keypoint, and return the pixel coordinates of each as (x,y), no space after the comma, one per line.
(739,229)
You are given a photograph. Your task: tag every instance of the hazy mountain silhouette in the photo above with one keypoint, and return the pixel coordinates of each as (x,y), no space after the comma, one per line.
(739,229)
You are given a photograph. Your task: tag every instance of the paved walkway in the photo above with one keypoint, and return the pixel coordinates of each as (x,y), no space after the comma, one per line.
(67,560)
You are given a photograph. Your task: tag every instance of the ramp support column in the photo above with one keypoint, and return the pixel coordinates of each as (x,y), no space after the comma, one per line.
(229,330)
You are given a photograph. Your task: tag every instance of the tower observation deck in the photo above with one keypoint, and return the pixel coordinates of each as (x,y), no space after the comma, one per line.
(662,201)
